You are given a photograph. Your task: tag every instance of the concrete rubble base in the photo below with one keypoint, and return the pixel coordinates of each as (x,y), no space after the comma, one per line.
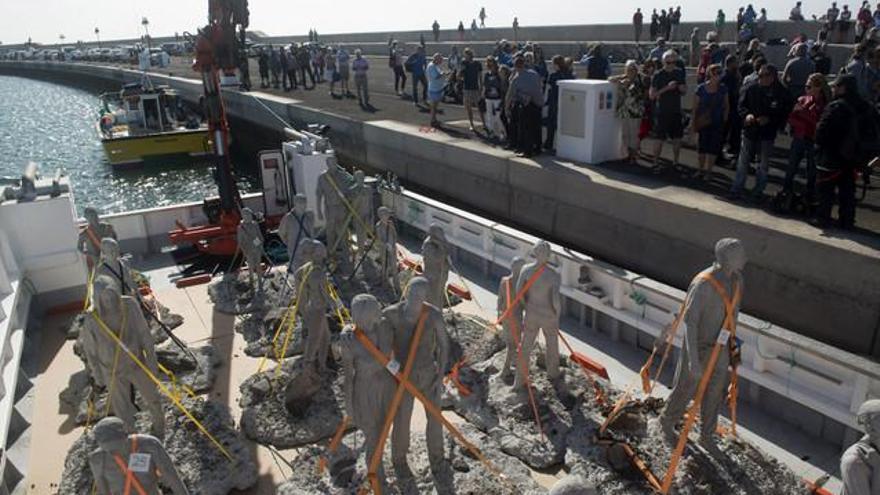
(266,419)
(462,475)
(187,375)
(203,468)
(233,294)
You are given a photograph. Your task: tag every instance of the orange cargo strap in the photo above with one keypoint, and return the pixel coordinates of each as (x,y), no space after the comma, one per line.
(334,443)
(395,401)
(522,292)
(523,364)
(725,337)
(130,477)
(429,406)
(454,377)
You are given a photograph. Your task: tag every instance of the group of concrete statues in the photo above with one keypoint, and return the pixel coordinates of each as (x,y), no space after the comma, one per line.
(538,309)
(116,329)
(369,387)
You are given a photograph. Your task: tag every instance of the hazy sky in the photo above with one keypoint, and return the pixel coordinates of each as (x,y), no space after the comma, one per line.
(45,20)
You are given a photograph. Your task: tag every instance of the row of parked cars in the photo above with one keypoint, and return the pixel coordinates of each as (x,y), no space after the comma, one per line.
(122,54)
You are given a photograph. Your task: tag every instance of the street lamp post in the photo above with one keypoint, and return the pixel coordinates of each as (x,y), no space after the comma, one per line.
(146,24)
(98,36)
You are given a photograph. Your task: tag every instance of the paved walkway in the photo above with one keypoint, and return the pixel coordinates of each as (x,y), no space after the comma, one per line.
(388,105)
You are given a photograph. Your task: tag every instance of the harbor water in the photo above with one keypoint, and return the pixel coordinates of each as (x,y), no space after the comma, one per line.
(54,125)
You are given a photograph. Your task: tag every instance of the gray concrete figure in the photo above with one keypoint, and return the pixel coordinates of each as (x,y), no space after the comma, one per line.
(314,301)
(131,463)
(89,241)
(386,233)
(704,315)
(118,373)
(513,323)
(362,201)
(332,185)
(435,261)
(250,242)
(116,268)
(860,464)
(429,368)
(368,386)
(542,306)
(573,484)
(296,229)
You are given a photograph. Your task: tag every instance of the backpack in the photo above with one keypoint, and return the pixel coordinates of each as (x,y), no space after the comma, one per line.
(410,63)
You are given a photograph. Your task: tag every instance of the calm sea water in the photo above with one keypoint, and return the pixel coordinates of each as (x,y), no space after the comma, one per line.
(53,125)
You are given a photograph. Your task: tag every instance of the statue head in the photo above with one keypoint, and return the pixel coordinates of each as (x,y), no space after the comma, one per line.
(300,204)
(416,292)
(109,249)
(516,267)
(384,213)
(435,232)
(91,215)
(542,252)
(109,433)
(365,311)
(247,215)
(106,295)
(319,252)
(869,417)
(359,177)
(730,255)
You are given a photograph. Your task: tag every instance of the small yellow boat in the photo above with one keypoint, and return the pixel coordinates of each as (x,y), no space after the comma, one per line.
(143,122)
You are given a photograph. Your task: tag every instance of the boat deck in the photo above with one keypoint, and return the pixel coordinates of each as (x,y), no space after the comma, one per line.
(54,361)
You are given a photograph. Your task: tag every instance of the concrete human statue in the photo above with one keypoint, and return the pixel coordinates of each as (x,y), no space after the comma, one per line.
(542,306)
(705,311)
(368,386)
(429,368)
(860,464)
(386,234)
(435,261)
(512,324)
(362,201)
(114,267)
(314,300)
(296,229)
(136,463)
(250,242)
(122,316)
(89,241)
(332,185)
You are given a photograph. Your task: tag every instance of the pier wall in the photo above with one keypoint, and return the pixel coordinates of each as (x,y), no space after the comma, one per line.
(822,287)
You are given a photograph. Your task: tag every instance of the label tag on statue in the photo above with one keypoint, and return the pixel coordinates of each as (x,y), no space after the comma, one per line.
(139,463)
(723,337)
(393,366)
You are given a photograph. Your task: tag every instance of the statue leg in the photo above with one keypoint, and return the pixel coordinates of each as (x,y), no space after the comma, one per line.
(400,434)
(551,357)
(312,324)
(147,389)
(714,397)
(681,395)
(370,422)
(528,342)
(510,358)
(433,427)
(121,403)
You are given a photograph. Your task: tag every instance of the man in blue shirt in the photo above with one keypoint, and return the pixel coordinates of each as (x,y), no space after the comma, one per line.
(416,65)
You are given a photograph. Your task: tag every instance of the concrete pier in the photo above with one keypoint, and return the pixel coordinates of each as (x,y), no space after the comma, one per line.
(821,286)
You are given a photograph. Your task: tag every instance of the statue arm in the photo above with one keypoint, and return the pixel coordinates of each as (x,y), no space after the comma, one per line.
(319,197)
(856,475)
(502,297)
(164,464)
(142,330)
(443,346)
(90,350)
(556,295)
(348,373)
(96,464)
(284,228)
